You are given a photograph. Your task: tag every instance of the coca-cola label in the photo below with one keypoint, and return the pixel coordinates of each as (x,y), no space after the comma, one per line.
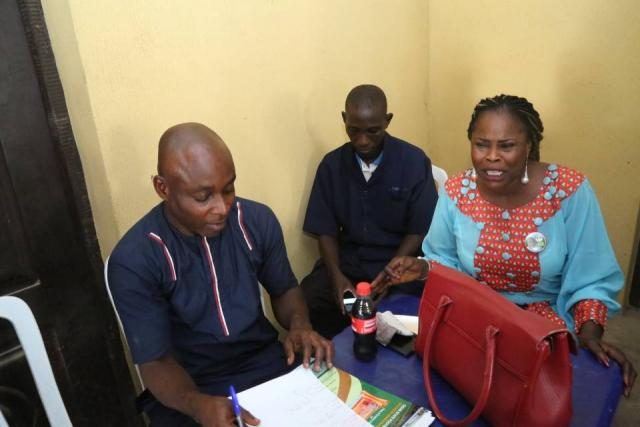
(363,326)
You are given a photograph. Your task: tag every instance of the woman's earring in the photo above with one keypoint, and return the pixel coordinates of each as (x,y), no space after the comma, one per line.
(473,173)
(525,177)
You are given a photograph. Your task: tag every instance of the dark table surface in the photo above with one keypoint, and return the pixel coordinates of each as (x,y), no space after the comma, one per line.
(596,388)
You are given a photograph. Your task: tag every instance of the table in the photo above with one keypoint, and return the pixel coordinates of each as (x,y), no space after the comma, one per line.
(596,388)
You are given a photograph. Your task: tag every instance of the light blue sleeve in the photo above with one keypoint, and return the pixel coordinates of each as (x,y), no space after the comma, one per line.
(439,245)
(591,270)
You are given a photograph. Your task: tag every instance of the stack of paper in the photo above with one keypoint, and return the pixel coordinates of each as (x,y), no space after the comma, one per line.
(301,399)
(298,399)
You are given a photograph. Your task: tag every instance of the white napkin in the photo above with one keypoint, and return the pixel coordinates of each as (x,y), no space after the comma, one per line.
(388,326)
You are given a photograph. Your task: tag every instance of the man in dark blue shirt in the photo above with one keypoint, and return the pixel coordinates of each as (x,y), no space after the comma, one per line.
(372,199)
(185,282)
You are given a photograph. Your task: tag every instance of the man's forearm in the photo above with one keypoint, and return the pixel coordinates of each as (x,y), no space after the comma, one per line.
(172,385)
(290,309)
(329,251)
(410,245)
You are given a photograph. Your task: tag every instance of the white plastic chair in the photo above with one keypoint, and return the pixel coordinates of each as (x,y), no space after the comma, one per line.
(20,315)
(122,334)
(439,175)
(3,421)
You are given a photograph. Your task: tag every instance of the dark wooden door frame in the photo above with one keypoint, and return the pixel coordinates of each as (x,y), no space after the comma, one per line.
(59,124)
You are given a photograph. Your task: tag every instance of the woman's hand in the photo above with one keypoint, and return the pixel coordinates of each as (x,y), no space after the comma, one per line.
(590,337)
(400,269)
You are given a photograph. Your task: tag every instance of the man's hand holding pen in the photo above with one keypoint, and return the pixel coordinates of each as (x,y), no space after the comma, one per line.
(217,411)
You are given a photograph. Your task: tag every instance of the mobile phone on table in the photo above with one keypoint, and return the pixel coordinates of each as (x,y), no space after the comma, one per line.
(348,298)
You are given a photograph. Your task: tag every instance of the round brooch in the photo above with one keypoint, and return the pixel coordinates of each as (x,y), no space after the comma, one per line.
(535,242)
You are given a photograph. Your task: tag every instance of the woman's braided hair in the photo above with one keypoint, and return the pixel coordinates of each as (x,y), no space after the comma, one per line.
(519,107)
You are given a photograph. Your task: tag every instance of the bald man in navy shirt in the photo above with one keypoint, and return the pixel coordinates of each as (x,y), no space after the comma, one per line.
(185,282)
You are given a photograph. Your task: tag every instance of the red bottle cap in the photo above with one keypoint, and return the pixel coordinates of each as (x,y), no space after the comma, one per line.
(363,289)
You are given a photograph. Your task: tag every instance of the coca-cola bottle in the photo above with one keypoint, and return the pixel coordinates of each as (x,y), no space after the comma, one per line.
(363,323)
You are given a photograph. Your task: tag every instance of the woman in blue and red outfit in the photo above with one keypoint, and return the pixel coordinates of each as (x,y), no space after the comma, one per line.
(532,231)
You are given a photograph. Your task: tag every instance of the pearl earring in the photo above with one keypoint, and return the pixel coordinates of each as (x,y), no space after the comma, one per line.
(525,177)
(473,173)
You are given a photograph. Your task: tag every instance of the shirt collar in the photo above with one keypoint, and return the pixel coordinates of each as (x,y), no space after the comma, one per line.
(375,162)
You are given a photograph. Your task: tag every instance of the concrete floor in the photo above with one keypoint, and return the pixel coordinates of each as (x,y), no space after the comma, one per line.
(624,331)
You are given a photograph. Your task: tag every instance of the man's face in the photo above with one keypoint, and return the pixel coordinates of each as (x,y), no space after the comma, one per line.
(198,191)
(366,127)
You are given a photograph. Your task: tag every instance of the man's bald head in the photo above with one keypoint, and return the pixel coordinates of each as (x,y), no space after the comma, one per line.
(180,144)
(195,179)
(366,119)
(369,97)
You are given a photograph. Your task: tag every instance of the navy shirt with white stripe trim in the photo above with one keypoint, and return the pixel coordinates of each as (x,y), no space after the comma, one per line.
(198,298)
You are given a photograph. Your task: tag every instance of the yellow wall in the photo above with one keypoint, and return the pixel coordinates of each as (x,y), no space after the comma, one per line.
(576,61)
(271,77)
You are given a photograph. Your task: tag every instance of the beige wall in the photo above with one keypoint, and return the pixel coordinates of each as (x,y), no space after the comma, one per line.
(271,76)
(577,61)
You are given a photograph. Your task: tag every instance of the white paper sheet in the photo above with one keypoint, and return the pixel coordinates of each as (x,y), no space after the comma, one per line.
(298,399)
(422,418)
(410,322)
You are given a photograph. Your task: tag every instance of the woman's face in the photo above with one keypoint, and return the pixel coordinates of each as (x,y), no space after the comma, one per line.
(499,149)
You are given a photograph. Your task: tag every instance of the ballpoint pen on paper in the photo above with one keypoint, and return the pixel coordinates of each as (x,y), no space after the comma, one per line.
(236,406)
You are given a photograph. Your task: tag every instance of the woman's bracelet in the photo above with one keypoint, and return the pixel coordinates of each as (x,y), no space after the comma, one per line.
(426,268)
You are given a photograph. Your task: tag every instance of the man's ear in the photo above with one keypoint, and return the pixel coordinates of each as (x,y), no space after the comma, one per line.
(344,117)
(161,187)
(389,117)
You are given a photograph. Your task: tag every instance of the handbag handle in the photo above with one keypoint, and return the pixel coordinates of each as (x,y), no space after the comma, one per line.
(489,359)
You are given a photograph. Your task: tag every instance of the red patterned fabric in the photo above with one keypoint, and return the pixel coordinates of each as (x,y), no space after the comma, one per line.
(544,309)
(502,259)
(590,309)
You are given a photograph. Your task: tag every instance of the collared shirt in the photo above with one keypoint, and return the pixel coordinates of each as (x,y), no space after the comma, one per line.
(369,169)
(371,218)
(199,298)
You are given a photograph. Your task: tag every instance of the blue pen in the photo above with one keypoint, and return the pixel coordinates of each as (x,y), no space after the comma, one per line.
(236,406)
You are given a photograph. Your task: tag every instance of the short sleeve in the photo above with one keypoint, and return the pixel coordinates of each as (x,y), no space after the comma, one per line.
(320,218)
(275,273)
(423,200)
(142,311)
(440,243)
(591,270)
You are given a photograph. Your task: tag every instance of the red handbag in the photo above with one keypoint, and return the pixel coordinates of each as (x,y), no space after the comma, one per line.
(512,365)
